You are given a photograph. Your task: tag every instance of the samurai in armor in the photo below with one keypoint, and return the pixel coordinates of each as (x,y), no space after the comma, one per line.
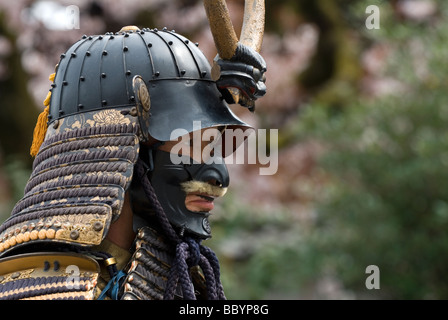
(106,212)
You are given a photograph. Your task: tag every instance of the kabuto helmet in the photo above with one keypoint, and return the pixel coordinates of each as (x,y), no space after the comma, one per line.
(110,92)
(97,73)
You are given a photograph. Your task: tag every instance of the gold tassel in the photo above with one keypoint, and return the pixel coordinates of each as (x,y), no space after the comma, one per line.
(39,131)
(41,126)
(47,99)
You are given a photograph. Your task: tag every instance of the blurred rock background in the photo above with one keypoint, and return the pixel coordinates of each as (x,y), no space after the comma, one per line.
(361,114)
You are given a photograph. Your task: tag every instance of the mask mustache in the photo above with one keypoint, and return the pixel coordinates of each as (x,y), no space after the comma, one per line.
(194,186)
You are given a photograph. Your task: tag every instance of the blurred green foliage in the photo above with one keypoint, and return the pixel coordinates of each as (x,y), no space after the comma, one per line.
(18,112)
(16,173)
(385,202)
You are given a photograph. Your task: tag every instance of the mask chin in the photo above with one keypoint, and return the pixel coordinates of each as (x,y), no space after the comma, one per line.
(166,179)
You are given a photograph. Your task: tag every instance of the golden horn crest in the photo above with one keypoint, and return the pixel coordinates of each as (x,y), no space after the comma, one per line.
(222,29)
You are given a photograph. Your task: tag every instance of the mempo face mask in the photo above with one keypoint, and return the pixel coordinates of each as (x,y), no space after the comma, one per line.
(172,182)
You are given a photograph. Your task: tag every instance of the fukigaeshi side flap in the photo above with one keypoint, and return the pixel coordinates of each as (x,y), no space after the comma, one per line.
(78,183)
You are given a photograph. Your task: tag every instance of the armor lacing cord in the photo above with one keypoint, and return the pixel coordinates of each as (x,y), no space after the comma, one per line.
(189,253)
(112,268)
(116,277)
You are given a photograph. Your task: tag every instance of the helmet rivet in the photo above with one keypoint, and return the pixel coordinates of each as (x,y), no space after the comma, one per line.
(125,49)
(197,44)
(63,56)
(104,53)
(82,78)
(80,106)
(97,226)
(15,275)
(128,72)
(126,35)
(64,83)
(157,73)
(182,72)
(100,37)
(104,102)
(149,45)
(170,43)
(87,53)
(74,234)
(103,75)
(90,37)
(84,36)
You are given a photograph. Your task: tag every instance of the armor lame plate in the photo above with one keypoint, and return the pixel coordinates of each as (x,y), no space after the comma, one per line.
(48,276)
